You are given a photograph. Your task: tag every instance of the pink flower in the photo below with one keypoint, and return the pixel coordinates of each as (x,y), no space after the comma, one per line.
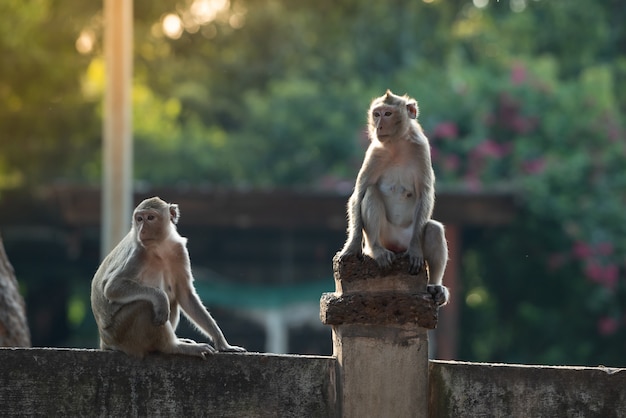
(518,74)
(606,276)
(522,125)
(594,272)
(582,250)
(607,325)
(611,275)
(490,148)
(446,130)
(534,166)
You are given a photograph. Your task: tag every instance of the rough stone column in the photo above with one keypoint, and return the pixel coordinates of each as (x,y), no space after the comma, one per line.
(380,321)
(14,330)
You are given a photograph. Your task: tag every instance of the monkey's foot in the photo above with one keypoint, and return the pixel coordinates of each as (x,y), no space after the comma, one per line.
(232,349)
(225,347)
(193,349)
(440,293)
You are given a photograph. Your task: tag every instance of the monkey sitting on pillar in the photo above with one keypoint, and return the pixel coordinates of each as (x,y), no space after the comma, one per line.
(394,195)
(138,289)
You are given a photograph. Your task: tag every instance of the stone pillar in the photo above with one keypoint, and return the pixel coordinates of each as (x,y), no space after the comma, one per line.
(380,321)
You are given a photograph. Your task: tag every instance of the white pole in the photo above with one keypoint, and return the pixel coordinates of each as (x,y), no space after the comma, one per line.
(117,193)
(276,333)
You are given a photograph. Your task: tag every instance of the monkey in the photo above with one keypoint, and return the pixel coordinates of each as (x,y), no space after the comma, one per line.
(140,287)
(390,209)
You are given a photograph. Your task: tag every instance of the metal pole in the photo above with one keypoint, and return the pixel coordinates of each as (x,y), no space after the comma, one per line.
(117,193)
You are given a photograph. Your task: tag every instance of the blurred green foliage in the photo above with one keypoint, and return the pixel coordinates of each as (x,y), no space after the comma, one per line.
(522,95)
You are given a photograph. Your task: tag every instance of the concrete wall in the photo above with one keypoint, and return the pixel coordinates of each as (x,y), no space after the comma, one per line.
(497,390)
(64,382)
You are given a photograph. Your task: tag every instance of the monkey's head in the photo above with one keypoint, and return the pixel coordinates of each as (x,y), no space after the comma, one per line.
(153,220)
(391,116)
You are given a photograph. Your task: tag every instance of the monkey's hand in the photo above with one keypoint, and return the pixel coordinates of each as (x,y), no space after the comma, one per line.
(383,256)
(161,313)
(439,293)
(352,248)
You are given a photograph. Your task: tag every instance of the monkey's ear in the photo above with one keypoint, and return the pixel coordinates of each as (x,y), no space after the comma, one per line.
(174,213)
(412,109)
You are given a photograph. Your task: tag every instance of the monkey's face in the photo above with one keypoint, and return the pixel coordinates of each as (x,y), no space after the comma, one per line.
(151,226)
(390,116)
(385,121)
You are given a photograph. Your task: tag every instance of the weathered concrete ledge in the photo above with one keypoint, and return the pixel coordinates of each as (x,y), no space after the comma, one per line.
(460,389)
(70,382)
(378,309)
(356,272)
(367,294)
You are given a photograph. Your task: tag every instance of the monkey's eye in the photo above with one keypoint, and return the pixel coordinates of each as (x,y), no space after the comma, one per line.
(151,217)
(139,218)
(387,113)
(376,114)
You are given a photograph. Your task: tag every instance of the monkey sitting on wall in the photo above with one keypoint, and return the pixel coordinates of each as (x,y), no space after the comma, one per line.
(394,195)
(137,290)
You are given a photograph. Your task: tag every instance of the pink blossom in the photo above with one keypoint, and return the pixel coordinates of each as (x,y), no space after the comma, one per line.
(582,250)
(446,130)
(607,325)
(594,272)
(611,275)
(534,166)
(518,74)
(490,148)
(522,125)
(606,276)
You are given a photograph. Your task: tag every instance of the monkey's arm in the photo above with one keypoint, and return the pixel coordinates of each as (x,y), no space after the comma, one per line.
(124,289)
(354,241)
(198,314)
(367,175)
(423,211)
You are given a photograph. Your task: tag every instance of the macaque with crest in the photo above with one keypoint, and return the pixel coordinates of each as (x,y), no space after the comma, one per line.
(390,210)
(138,290)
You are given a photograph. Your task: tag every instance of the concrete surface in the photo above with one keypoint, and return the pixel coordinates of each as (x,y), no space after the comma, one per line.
(68,382)
(460,389)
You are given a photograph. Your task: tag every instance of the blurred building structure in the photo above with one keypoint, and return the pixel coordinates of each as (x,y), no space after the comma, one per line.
(261,258)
